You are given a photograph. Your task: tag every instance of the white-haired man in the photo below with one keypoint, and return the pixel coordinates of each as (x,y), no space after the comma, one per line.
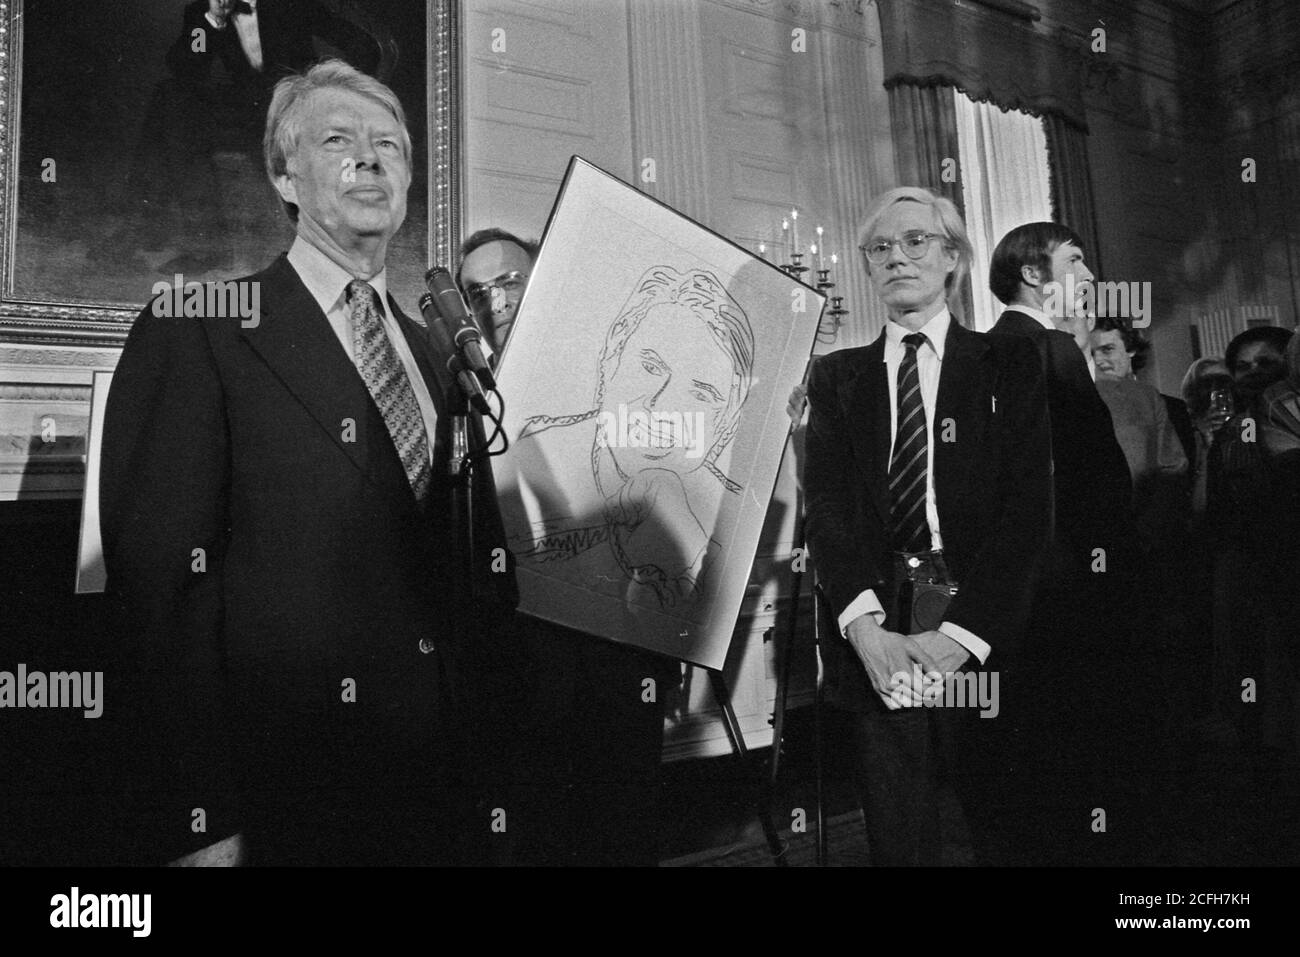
(275,524)
(928,464)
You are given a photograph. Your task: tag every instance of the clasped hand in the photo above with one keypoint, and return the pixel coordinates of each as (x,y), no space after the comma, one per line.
(900,665)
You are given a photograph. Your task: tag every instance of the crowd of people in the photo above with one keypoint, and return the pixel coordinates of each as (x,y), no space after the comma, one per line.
(1014,508)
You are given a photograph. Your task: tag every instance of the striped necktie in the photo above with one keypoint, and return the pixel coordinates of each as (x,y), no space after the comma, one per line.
(908,468)
(386,379)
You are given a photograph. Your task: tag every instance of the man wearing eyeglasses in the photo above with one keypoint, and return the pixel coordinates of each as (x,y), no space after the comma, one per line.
(494,270)
(927,476)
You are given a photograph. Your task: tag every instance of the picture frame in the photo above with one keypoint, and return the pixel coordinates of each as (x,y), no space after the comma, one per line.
(647,419)
(78,112)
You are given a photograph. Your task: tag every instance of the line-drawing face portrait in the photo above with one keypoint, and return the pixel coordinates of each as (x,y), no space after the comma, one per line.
(673,376)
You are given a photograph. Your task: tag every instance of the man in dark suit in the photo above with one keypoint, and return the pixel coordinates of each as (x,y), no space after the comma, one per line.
(927,457)
(257,42)
(1090,472)
(1081,625)
(276,531)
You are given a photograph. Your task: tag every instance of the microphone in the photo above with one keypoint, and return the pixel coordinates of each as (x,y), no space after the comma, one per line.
(469,384)
(460,326)
(455,365)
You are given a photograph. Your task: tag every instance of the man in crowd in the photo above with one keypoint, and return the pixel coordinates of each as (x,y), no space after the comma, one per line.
(275,523)
(494,270)
(928,460)
(1245,527)
(1081,610)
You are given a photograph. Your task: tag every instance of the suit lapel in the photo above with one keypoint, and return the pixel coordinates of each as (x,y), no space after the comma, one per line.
(867,406)
(296,342)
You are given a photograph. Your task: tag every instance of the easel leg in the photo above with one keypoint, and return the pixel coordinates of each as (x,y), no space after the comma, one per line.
(786,654)
(817,728)
(723,696)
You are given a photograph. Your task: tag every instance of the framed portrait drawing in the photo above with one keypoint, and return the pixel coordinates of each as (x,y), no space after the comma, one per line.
(646,382)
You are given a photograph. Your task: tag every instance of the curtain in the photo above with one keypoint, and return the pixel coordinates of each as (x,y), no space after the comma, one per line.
(1004,178)
(925,137)
(1072,204)
(991,52)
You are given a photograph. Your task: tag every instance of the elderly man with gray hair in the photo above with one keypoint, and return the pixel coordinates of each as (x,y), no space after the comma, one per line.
(275,522)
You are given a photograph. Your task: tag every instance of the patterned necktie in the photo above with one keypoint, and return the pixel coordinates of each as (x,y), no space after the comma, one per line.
(908,467)
(386,379)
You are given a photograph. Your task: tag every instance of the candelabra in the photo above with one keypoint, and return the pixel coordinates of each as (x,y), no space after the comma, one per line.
(833,317)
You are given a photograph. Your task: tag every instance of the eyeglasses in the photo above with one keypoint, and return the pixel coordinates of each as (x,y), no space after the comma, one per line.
(915,243)
(511,283)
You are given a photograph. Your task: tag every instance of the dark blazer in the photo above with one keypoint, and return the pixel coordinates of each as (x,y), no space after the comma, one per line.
(1091,484)
(262,447)
(992,485)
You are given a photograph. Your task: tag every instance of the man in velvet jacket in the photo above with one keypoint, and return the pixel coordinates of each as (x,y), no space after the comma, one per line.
(986,506)
(275,529)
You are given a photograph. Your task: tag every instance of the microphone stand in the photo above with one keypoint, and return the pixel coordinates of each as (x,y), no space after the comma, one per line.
(460,470)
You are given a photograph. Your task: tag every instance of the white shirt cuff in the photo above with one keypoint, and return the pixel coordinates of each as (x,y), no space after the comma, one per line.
(972,643)
(865,604)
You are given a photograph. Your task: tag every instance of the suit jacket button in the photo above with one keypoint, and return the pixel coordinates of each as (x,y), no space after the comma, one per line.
(426,645)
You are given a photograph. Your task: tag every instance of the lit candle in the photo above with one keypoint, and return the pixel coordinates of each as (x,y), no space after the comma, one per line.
(794,217)
(762,250)
(785,232)
(834,259)
(812,250)
(820,245)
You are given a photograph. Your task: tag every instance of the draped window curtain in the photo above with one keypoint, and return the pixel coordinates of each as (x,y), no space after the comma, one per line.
(1004,183)
(925,136)
(932,47)
(1067,158)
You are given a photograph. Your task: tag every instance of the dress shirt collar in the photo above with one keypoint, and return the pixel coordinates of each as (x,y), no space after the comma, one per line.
(326,280)
(936,331)
(1037,315)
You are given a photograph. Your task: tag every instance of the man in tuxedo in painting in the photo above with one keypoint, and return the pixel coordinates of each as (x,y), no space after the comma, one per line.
(927,458)
(256,42)
(276,533)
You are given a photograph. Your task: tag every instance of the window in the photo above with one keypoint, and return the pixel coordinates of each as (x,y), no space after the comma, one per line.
(1004,185)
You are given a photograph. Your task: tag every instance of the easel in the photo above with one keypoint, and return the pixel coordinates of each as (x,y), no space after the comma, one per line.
(786,656)
(722,694)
